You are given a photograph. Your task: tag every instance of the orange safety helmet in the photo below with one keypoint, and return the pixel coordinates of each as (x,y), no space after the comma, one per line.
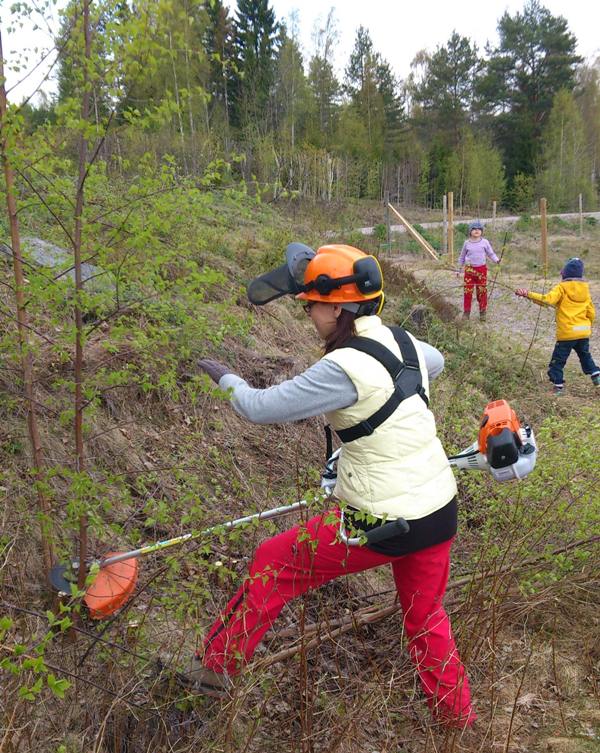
(342,274)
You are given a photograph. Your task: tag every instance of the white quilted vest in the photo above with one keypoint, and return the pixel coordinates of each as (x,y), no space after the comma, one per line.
(401,470)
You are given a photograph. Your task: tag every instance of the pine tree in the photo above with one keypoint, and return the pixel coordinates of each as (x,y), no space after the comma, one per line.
(446,92)
(533,62)
(373,93)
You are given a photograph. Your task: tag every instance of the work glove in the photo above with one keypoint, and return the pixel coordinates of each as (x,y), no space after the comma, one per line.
(522,292)
(214,369)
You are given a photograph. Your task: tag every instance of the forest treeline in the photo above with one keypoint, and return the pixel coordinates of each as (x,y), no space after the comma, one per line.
(192,79)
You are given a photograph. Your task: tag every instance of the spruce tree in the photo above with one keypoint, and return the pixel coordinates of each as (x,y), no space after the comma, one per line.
(219,44)
(256,33)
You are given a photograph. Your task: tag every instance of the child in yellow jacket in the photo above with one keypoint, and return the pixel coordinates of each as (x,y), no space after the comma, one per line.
(575,315)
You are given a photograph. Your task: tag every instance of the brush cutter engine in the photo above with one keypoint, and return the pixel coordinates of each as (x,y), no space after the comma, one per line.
(504,448)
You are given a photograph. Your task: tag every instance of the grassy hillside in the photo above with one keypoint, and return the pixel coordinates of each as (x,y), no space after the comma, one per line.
(166,454)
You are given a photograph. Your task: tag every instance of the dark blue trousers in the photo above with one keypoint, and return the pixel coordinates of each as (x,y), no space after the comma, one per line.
(562,350)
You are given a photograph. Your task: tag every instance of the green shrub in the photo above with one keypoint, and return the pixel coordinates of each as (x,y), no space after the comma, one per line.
(380,232)
(524,222)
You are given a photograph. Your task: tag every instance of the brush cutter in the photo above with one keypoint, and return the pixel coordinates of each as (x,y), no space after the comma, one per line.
(503,448)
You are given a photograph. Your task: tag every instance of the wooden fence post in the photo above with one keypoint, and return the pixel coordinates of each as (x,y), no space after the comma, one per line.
(388,234)
(580,215)
(445,225)
(451,226)
(544,236)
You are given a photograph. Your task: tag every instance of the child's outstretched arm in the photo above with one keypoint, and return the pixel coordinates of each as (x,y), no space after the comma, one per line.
(548,299)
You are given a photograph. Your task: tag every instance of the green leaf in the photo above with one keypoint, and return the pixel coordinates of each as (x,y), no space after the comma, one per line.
(58,687)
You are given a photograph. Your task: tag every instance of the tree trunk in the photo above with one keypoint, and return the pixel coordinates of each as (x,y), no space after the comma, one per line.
(23,332)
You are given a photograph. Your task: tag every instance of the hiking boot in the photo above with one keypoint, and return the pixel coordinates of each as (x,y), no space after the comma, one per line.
(596,379)
(206,681)
(558,389)
(482,316)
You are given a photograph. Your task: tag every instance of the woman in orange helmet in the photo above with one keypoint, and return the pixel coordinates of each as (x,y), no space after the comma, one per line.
(372,384)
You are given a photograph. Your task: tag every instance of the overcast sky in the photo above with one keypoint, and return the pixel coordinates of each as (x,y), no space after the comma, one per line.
(398,30)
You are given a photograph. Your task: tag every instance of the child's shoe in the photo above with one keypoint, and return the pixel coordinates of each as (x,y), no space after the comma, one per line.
(558,389)
(466,314)
(596,379)
(482,316)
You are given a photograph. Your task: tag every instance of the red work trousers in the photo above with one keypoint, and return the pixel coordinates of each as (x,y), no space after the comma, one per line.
(475,277)
(311,554)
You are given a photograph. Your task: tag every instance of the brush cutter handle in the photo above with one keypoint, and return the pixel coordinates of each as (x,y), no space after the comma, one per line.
(276,512)
(398,527)
(392,528)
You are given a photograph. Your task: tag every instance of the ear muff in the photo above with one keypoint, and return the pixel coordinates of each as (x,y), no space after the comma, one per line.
(369,278)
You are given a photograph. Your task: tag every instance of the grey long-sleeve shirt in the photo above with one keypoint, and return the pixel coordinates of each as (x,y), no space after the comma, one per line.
(323,387)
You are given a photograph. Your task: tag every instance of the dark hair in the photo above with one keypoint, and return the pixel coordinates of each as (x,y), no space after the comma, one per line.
(344,330)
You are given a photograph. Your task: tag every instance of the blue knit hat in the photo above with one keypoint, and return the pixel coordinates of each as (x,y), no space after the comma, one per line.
(476,225)
(573,268)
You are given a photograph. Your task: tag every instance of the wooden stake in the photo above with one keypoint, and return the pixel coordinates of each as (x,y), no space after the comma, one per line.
(415,234)
(451,226)
(445,225)
(494,216)
(544,235)
(580,215)
(388,234)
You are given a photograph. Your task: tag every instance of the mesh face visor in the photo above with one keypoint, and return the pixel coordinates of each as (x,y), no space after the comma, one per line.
(288,279)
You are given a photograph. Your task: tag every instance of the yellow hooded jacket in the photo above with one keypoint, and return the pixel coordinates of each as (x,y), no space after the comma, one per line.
(575,311)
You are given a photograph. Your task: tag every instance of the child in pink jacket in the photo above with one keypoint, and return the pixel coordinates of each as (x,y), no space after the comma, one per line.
(476,249)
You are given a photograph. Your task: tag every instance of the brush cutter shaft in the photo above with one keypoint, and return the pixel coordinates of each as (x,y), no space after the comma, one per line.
(276,512)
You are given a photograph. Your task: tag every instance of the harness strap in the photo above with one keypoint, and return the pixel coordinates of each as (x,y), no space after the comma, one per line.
(405,374)
(328,442)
